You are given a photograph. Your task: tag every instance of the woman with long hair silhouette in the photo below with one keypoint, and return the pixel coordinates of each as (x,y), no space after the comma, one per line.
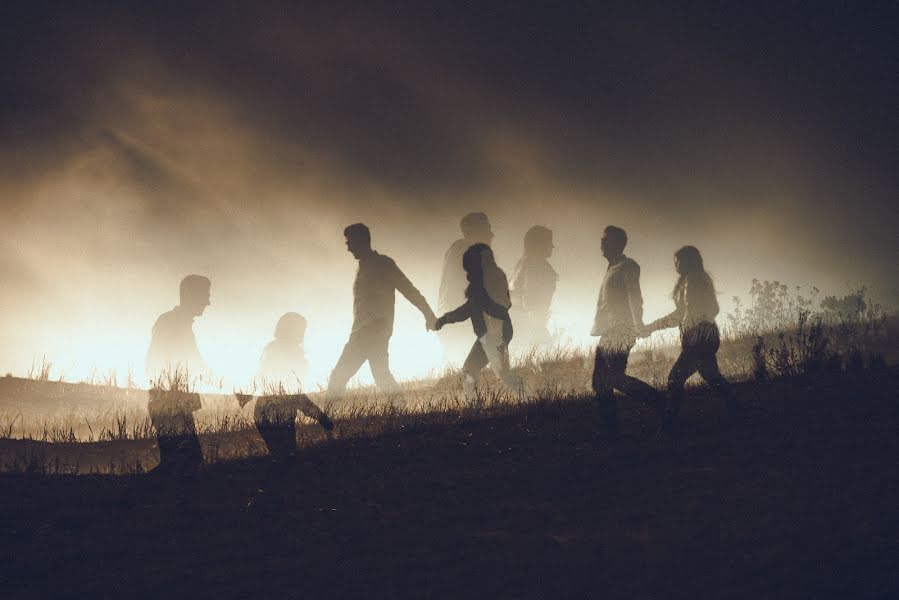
(487,304)
(283,360)
(533,285)
(695,310)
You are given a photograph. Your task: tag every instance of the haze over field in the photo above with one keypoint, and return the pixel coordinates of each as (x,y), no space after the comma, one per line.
(137,147)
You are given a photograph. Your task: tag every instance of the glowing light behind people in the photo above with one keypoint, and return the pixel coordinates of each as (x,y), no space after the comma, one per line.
(95,243)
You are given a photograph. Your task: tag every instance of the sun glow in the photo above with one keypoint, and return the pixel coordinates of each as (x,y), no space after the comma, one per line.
(96,355)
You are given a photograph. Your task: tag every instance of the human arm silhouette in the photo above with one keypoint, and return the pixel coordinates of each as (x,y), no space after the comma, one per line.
(498,311)
(695,303)
(405,287)
(634,296)
(670,320)
(472,310)
(519,283)
(457,315)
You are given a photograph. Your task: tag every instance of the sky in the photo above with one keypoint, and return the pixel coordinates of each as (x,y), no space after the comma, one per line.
(141,142)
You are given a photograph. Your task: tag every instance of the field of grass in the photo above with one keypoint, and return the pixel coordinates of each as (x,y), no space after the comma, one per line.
(56,427)
(424,494)
(508,502)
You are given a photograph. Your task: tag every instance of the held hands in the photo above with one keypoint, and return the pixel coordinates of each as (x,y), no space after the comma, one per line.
(432,323)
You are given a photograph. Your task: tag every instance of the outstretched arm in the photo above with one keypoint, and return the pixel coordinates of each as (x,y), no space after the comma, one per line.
(405,287)
(457,315)
(495,309)
(672,319)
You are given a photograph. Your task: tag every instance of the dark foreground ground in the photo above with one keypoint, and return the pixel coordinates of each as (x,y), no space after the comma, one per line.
(804,504)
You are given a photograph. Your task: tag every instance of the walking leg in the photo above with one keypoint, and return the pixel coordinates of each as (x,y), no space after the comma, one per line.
(605,373)
(471,368)
(379,361)
(497,353)
(708,368)
(684,366)
(352,357)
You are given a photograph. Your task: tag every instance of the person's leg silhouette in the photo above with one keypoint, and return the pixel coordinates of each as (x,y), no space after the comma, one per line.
(471,368)
(354,354)
(379,361)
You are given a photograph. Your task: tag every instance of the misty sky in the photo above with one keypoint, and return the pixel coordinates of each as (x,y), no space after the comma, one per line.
(140,144)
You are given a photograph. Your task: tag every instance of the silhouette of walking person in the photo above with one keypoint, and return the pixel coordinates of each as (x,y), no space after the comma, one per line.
(173,357)
(533,286)
(695,310)
(173,345)
(275,417)
(377,280)
(283,366)
(487,306)
(475,230)
(283,362)
(619,317)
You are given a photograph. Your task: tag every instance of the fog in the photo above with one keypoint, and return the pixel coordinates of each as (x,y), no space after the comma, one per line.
(139,150)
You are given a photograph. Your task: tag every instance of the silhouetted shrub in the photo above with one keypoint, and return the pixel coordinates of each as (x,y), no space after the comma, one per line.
(851,306)
(771,307)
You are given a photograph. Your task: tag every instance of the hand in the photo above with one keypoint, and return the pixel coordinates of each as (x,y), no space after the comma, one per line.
(644,331)
(438,324)
(431,323)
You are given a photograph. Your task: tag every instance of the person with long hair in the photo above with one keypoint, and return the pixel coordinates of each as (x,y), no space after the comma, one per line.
(533,285)
(695,310)
(476,229)
(487,305)
(283,360)
(282,369)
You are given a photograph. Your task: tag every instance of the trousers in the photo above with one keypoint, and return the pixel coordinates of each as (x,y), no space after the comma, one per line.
(370,344)
(490,349)
(699,349)
(609,374)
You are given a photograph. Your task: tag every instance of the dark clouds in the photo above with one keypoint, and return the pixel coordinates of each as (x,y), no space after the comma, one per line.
(631,96)
(652,102)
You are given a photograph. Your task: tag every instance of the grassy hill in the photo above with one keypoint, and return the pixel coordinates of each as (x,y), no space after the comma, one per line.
(504,502)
